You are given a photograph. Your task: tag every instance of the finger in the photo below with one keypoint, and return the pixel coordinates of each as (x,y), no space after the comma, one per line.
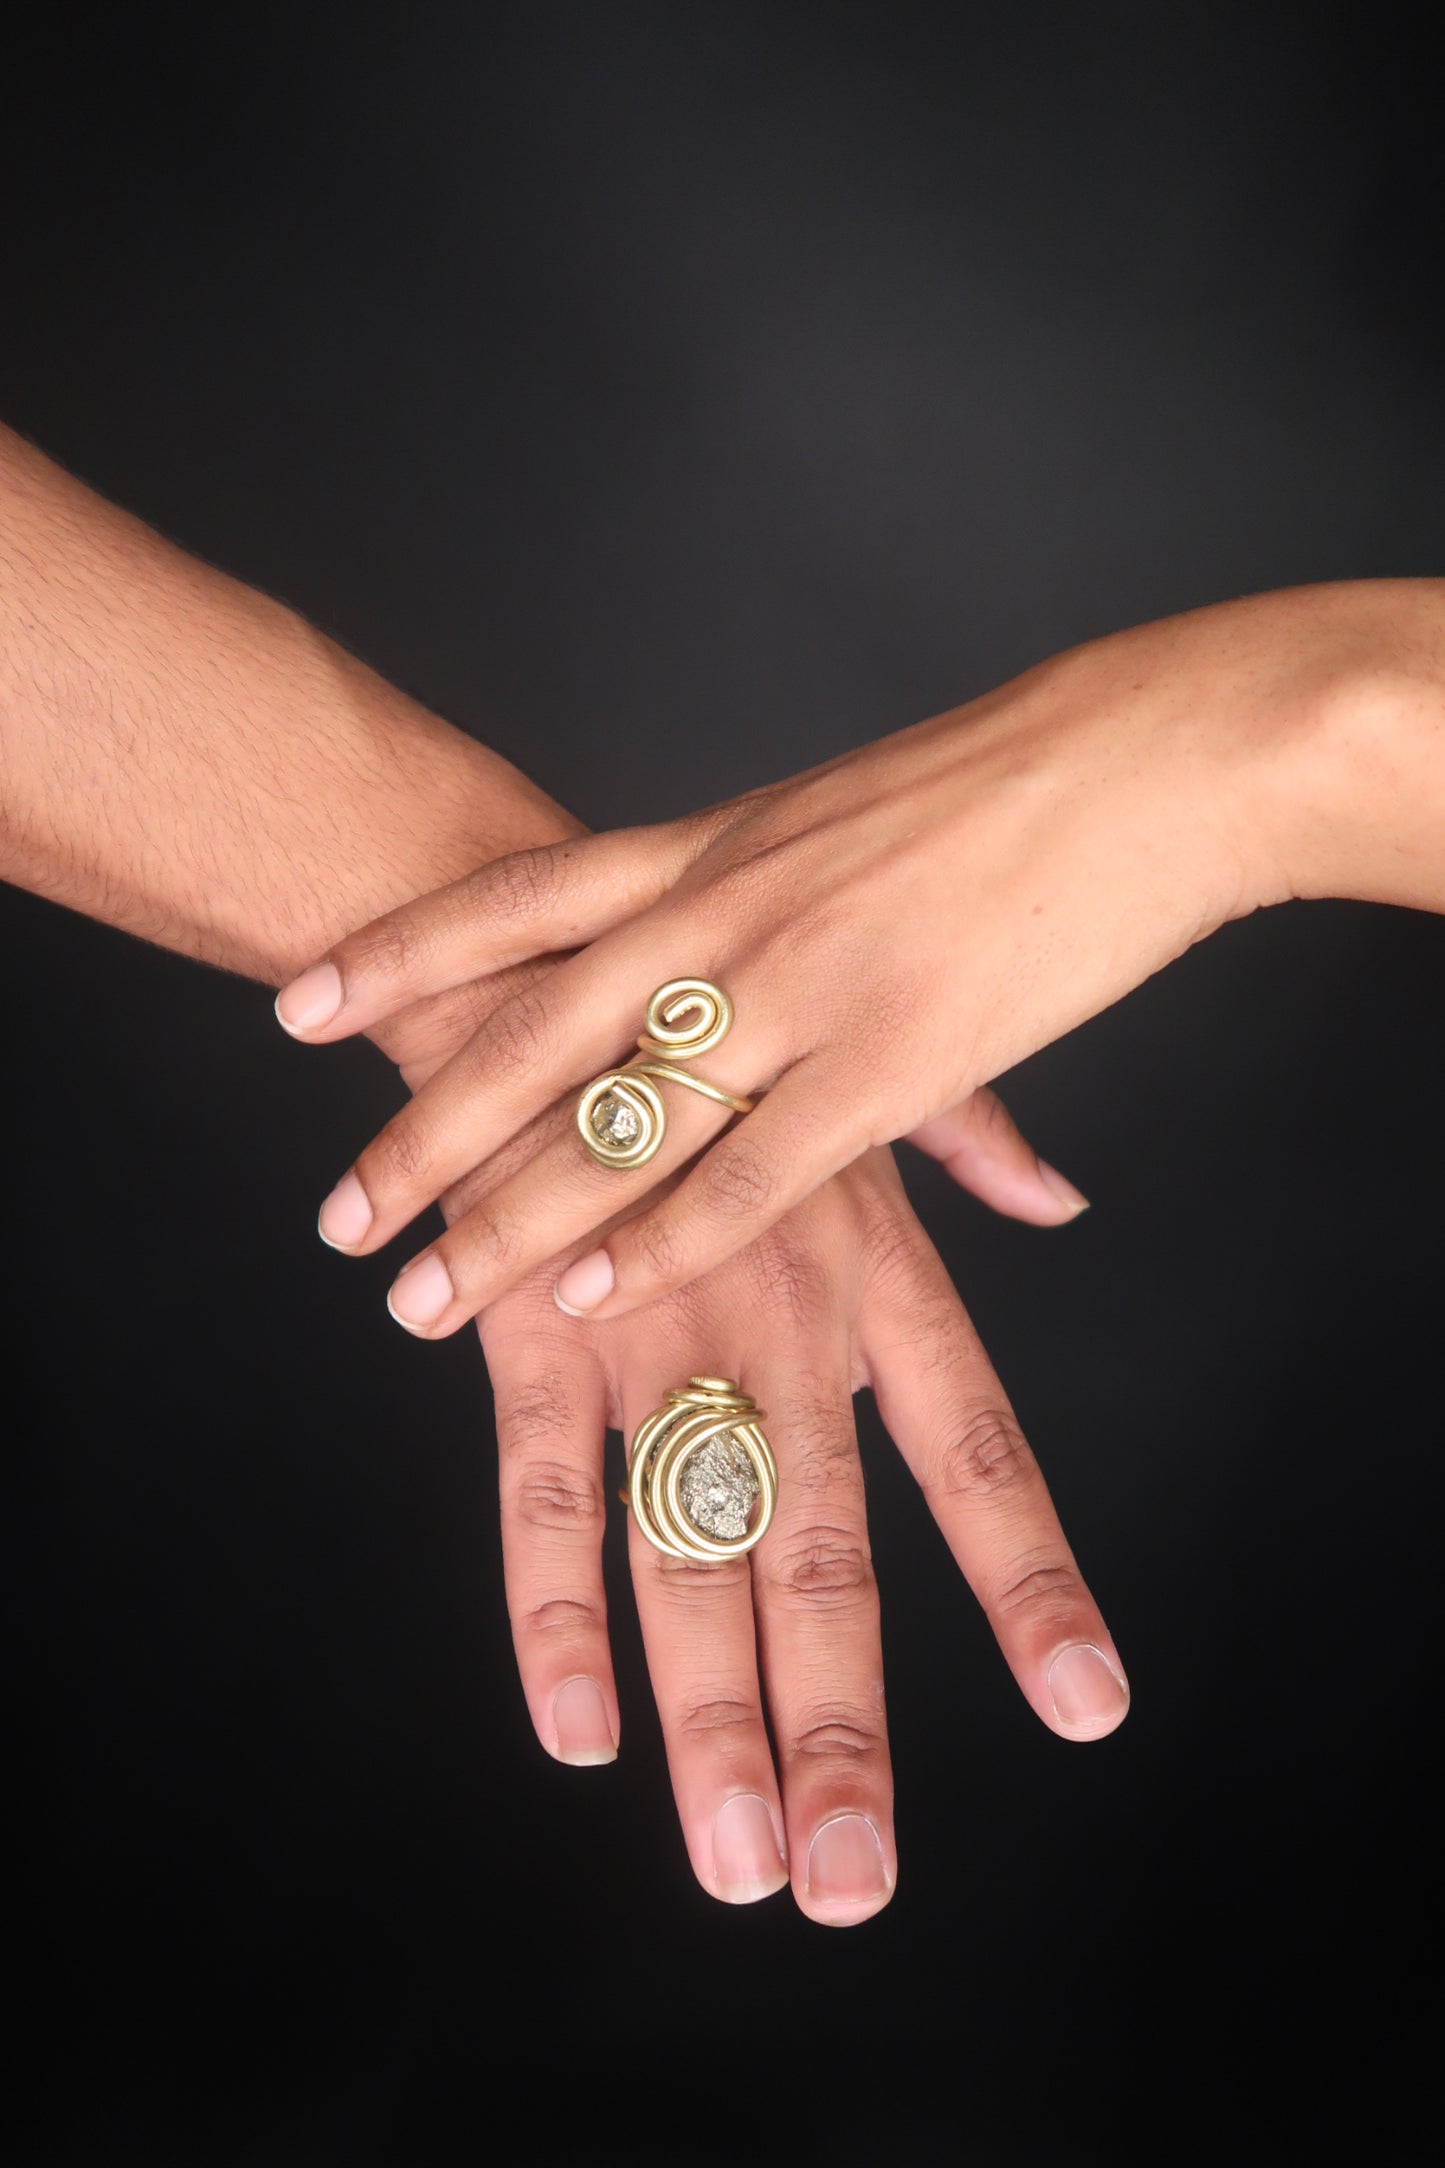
(533,902)
(817,1608)
(548,1039)
(538,1198)
(551,1416)
(980,1145)
(768,1163)
(698,1632)
(951,1419)
(423,1038)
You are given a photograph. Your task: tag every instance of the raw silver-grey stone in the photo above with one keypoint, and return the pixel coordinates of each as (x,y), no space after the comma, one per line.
(718,1487)
(615,1122)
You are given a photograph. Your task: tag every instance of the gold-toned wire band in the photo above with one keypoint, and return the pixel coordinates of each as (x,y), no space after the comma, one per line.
(621,1117)
(693,1418)
(674,1075)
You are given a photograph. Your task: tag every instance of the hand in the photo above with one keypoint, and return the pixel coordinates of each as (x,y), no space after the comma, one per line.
(188,760)
(846,1292)
(893,930)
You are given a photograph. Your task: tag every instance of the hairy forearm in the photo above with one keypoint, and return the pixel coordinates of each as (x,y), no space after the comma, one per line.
(187,759)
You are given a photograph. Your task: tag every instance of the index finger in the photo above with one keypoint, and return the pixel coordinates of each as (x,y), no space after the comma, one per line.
(552,897)
(551,1415)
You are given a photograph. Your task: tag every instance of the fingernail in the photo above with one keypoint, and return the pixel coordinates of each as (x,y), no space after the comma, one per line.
(1090,1695)
(346,1215)
(420,1294)
(585,1284)
(746,1862)
(310,1001)
(579,1716)
(845,1862)
(1062,1188)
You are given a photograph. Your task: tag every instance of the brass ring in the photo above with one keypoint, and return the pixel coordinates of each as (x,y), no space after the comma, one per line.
(620,1116)
(702,1482)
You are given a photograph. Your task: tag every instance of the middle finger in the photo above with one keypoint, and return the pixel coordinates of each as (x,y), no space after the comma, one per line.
(697,1628)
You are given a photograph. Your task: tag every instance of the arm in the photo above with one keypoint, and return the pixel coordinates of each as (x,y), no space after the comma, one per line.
(900,926)
(188,760)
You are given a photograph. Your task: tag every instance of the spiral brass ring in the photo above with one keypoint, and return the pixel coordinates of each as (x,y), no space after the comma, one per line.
(620,1116)
(702,1482)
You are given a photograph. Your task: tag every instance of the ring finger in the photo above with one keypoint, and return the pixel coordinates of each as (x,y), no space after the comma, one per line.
(540,1045)
(543,1208)
(551,1416)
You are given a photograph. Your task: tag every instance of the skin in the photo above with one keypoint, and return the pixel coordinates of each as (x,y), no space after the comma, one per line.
(187,759)
(894,929)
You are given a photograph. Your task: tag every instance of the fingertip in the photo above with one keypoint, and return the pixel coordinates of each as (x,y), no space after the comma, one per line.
(747,1855)
(310,1002)
(847,1878)
(421,1294)
(585,1285)
(1088,1692)
(1071,1201)
(345,1218)
(583,1734)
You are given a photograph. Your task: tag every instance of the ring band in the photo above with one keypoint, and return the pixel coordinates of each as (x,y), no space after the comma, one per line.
(620,1117)
(666,1070)
(702,1482)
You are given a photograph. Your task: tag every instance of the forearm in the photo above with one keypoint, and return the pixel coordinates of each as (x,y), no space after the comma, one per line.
(187,759)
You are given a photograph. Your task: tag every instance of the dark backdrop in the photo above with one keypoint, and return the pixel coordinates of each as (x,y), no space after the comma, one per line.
(725,385)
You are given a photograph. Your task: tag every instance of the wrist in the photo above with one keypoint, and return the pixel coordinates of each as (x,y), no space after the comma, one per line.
(1356,802)
(413,803)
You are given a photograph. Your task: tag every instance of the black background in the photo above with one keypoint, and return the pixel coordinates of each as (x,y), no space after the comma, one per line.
(727,385)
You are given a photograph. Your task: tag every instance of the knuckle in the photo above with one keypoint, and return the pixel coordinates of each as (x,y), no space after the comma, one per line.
(516,1036)
(890,1244)
(720,1716)
(656,1247)
(463,1011)
(822,1445)
(486,1240)
(788,1276)
(399,1157)
(1036,1589)
(565,1618)
(521,885)
(553,1495)
(538,1410)
(682,1583)
(394,948)
(986,1456)
(902,1269)
(827,1568)
(838,1736)
(737,1181)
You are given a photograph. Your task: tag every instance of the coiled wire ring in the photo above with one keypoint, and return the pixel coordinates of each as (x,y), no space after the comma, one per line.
(702,1482)
(620,1117)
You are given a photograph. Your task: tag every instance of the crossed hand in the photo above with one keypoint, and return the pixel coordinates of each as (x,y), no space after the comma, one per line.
(846,1291)
(659,1117)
